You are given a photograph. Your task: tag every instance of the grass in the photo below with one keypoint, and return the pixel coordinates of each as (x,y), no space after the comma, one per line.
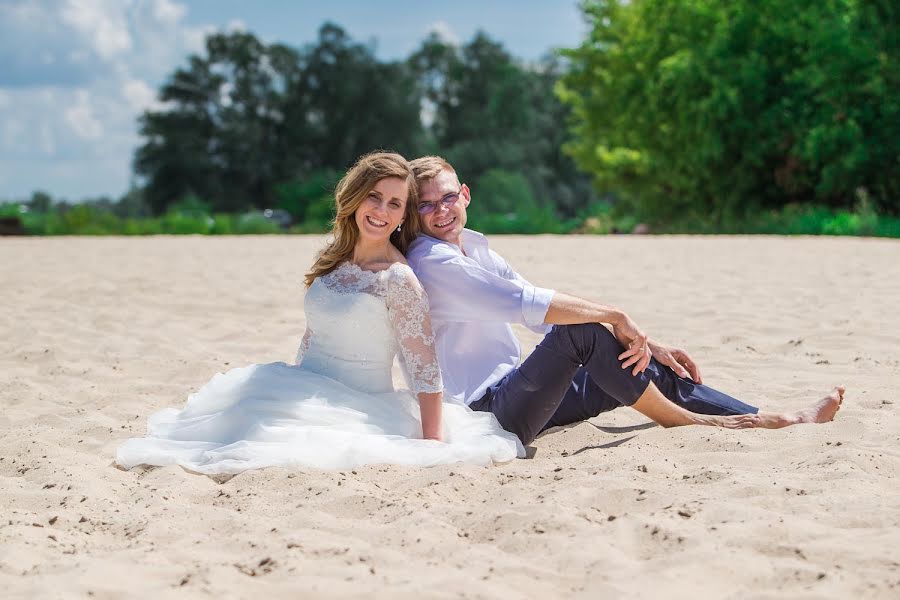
(793,219)
(602,219)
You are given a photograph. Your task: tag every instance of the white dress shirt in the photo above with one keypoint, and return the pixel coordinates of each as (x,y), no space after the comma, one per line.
(473,298)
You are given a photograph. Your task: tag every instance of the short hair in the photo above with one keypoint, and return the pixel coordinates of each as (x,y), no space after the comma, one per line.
(426,168)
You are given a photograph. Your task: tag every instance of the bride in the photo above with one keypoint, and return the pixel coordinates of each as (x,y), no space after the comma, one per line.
(337,407)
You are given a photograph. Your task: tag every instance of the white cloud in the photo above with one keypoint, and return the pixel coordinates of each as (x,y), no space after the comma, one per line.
(168,12)
(74,77)
(195,37)
(13,132)
(139,95)
(24,12)
(81,117)
(445,32)
(236,25)
(102,22)
(47,139)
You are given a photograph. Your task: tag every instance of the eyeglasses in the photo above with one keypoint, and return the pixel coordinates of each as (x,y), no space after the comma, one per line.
(426,208)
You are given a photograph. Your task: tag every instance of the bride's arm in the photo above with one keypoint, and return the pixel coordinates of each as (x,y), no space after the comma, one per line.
(408,308)
(430,407)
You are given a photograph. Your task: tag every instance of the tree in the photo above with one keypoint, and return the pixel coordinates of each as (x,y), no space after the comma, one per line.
(346,103)
(41,202)
(250,125)
(247,117)
(487,112)
(722,107)
(218,136)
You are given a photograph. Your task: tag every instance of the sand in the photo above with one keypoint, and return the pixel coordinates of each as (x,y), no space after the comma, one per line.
(95,334)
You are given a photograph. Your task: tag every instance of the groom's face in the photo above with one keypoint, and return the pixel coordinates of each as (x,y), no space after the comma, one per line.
(445,222)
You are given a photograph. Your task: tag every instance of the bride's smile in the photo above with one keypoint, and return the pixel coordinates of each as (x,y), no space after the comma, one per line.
(382,211)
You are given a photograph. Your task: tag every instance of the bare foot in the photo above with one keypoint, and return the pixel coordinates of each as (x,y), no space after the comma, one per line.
(822,411)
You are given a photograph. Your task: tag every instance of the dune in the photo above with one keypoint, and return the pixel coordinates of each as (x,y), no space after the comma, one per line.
(97,333)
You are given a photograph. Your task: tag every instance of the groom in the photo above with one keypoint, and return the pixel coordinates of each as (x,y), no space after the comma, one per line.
(580,369)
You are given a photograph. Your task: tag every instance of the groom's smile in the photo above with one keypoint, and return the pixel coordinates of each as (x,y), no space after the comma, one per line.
(446,223)
(447,219)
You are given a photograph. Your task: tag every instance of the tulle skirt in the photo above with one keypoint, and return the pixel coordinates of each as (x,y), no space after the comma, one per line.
(280,415)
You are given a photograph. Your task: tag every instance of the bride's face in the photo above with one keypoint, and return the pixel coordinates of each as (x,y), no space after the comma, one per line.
(383,209)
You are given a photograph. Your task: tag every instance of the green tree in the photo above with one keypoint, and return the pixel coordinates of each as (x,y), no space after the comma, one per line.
(487,111)
(346,103)
(718,108)
(218,136)
(132,204)
(246,117)
(297,197)
(41,202)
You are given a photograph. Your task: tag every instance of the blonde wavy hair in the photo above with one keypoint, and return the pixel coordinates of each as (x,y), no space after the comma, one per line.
(350,192)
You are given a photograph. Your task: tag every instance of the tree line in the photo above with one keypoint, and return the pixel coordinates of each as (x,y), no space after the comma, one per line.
(698,115)
(255,125)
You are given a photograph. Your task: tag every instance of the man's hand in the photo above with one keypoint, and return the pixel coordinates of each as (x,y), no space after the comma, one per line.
(571,310)
(638,352)
(678,360)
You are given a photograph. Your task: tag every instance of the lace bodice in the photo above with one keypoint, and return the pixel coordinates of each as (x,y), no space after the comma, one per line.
(358,321)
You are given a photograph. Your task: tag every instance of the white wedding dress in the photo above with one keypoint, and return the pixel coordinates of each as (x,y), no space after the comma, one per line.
(337,407)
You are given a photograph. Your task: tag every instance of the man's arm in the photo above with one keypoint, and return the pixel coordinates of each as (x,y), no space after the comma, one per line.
(571,310)
(460,289)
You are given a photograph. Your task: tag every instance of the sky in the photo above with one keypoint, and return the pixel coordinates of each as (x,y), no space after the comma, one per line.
(76,74)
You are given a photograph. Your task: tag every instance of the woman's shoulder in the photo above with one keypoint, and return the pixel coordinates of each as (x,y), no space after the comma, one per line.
(401,279)
(401,271)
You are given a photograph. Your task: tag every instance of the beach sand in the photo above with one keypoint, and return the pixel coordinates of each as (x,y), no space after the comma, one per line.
(95,334)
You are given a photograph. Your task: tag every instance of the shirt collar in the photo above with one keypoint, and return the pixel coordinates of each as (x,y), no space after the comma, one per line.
(472,241)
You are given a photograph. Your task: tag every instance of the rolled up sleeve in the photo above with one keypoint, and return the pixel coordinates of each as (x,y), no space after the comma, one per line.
(535,304)
(460,289)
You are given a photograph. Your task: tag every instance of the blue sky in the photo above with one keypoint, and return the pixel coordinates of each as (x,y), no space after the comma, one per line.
(75,74)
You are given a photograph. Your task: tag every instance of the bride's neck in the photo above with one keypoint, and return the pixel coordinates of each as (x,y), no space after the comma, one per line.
(369,252)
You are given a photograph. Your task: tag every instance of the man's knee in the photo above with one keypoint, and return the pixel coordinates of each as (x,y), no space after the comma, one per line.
(593,337)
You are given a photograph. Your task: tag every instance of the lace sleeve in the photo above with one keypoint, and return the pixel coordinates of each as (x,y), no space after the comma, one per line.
(304,345)
(408,309)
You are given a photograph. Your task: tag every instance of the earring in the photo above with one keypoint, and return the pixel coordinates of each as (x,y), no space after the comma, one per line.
(399,225)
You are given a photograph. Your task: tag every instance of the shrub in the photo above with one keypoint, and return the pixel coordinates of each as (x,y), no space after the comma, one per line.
(186,223)
(299,197)
(710,110)
(255,223)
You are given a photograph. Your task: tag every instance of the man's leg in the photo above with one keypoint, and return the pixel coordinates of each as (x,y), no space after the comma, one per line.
(583,399)
(587,398)
(527,400)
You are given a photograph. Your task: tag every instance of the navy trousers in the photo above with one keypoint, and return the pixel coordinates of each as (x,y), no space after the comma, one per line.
(575,374)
